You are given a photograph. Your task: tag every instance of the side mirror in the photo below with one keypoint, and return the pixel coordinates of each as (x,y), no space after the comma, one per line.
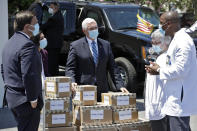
(101,29)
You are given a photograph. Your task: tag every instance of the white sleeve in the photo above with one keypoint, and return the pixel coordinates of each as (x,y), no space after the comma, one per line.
(180,67)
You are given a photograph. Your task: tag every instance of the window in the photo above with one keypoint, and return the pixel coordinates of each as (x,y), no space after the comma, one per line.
(45,16)
(122,18)
(95,16)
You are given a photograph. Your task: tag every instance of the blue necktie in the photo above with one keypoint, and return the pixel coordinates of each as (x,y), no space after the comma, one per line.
(94,52)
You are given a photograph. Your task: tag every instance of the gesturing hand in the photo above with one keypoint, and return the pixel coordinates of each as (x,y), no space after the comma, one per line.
(152,68)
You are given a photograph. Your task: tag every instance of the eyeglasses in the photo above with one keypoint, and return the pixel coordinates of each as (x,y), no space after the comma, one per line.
(164,24)
(155,42)
(93,28)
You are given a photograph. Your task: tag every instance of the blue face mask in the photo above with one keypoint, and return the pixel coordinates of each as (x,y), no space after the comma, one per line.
(43,43)
(36,29)
(161,29)
(157,49)
(93,34)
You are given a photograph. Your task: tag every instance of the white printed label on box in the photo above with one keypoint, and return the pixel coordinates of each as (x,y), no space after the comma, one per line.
(57,105)
(88,95)
(106,100)
(77,96)
(125,115)
(96,114)
(50,86)
(59,119)
(122,100)
(64,87)
(77,115)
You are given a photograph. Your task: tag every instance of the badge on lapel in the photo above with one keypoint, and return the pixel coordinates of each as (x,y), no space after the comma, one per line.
(168,61)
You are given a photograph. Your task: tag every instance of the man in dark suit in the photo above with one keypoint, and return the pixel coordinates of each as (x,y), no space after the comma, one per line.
(36,8)
(53,30)
(21,68)
(89,60)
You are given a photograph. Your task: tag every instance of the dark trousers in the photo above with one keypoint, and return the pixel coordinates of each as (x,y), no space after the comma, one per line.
(159,125)
(27,118)
(53,61)
(178,123)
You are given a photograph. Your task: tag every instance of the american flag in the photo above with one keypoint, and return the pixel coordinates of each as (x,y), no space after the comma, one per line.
(144,26)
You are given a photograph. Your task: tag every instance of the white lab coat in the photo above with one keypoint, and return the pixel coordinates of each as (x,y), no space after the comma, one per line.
(180,73)
(154,97)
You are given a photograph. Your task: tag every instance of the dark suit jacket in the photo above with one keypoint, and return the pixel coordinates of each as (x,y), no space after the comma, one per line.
(80,65)
(22,68)
(53,30)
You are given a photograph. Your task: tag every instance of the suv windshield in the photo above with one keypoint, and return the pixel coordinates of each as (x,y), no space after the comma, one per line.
(126,18)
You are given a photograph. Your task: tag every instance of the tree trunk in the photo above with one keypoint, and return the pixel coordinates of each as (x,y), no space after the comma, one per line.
(195,7)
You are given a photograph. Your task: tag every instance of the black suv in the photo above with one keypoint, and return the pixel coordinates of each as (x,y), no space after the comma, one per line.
(117,23)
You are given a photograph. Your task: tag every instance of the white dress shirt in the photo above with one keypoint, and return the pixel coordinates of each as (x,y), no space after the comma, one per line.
(43,75)
(90,45)
(154,97)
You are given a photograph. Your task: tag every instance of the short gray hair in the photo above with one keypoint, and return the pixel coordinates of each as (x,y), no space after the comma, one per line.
(157,36)
(86,22)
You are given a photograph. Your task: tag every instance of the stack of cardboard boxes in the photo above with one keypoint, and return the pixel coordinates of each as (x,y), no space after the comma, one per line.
(58,104)
(87,114)
(123,106)
(116,112)
(125,114)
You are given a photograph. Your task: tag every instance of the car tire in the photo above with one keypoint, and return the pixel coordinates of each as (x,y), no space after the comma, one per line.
(128,73)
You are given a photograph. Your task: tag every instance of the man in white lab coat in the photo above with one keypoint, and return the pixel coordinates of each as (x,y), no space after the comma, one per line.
(179,74)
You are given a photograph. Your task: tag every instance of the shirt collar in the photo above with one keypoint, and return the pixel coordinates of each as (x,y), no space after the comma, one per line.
(24,34)
(90,41)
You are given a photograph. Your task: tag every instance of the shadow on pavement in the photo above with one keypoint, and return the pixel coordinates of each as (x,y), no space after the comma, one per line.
(6,119)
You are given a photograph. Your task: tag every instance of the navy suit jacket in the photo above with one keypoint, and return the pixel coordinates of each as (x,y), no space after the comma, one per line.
(53,30)
(81,67)
(21,65)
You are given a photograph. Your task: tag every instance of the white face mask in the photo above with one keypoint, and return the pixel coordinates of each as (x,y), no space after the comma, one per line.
(93,34)
(157,49)
(43,43)
(50,10)
(36,29)
(161,29)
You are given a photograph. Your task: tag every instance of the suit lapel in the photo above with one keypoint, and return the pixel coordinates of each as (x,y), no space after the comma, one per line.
(100,51)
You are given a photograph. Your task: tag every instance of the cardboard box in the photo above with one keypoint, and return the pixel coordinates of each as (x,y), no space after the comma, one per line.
(126,115)
(58,119)
(86,95)
(92,115)
(62,129)
(119,100)
(98,128)
(58,87)
(58,104)
(136,126)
